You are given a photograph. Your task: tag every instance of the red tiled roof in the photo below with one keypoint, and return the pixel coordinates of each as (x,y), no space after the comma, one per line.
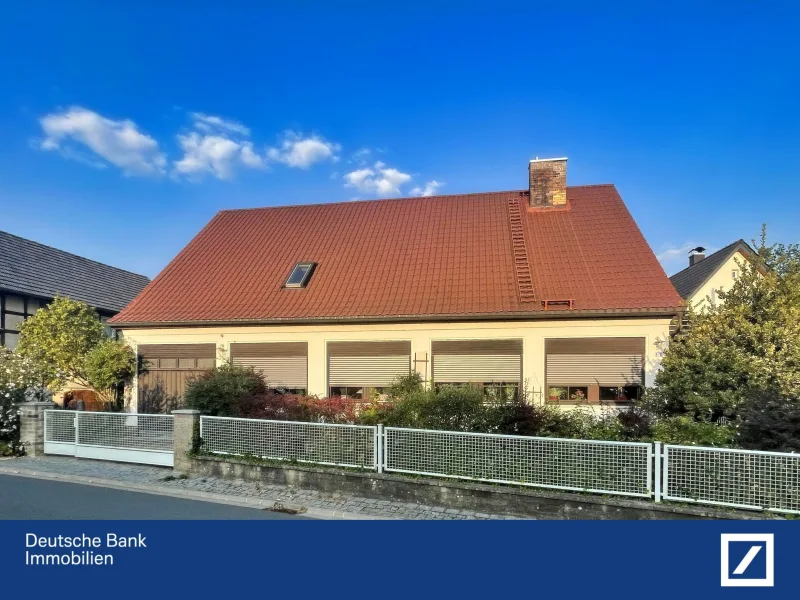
(441,256)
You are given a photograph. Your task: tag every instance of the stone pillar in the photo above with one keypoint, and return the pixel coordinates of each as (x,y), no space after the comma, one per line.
(186,427)
(31,430)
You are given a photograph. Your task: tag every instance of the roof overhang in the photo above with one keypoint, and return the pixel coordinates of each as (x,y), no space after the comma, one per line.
(561,315)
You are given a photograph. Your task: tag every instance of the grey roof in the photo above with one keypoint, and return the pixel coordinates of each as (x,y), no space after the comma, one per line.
(31,268)
(691,279)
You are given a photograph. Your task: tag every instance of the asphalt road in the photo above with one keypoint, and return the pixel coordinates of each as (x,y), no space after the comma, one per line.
(25,498)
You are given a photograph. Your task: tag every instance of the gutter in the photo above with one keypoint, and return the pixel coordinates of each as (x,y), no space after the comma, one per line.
(541,315)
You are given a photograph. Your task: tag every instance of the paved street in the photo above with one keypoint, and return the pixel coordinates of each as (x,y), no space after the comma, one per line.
(26,498)
(253,491)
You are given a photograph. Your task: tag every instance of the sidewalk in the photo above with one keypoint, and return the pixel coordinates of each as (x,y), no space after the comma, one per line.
(159,480)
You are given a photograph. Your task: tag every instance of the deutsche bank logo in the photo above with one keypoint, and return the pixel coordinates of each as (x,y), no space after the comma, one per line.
(748,559)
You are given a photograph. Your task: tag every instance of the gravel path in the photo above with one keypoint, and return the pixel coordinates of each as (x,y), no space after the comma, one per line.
(161,476)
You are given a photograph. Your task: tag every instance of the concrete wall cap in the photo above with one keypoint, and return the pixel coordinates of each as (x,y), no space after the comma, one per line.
(186,411)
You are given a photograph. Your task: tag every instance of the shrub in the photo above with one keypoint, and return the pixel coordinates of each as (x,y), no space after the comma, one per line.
(18,382)
(684,430)
(285,407)
(218,392)
(450,407)
(770,421)
(636,423)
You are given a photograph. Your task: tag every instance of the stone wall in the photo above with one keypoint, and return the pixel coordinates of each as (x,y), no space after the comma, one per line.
(523,502)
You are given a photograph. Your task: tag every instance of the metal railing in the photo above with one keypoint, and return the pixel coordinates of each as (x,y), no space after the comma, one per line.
(715,476)
(320,443)
(623,468)
(736,478)
(125,437)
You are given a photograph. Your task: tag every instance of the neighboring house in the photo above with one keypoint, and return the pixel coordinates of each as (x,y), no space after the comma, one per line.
(32,274)
(700,283)
(550,287)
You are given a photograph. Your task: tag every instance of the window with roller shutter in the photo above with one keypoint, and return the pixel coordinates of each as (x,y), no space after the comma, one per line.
(594,369)
(284,365)
(494,365)
(361,370)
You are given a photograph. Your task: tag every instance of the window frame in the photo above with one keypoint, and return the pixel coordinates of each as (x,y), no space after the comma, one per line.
(368,393)
(310,266)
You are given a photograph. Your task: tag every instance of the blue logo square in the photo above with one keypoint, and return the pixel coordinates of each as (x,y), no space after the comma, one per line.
(755,566)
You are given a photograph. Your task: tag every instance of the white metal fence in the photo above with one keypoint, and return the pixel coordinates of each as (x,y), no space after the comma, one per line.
(714,476)
(623,468)
(124,437)
(321,443)
(736,478)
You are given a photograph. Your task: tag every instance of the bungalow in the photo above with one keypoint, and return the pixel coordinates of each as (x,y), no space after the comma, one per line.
(552,287)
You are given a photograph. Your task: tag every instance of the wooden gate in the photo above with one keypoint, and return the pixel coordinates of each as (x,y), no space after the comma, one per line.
(166,369)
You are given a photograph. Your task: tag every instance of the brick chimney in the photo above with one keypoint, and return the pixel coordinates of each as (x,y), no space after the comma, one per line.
(696,258)
(548,182)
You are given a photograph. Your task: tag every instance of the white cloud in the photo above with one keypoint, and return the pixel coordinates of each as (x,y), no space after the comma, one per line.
(379,180)
(675,257)
(117,142)
(302,152)
(429,189)
(210,123)
(218,147)
(361,156)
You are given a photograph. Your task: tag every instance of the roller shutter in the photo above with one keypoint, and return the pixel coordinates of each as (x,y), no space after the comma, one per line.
(607,362)
(283,364)
(369,364)
(478,361)
(183,357)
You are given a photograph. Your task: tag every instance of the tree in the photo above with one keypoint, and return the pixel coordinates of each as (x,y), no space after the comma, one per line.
(65,342)
(746,344)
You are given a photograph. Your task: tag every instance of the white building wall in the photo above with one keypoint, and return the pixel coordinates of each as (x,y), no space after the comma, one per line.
(722,279)
(421,335)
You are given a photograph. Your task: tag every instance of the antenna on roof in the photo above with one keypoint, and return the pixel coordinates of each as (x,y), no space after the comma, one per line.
(699,250)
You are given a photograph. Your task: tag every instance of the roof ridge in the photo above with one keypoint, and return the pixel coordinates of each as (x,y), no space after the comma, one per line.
(585,185)
(402,198)
(366,200)
(78,256)
(727,248)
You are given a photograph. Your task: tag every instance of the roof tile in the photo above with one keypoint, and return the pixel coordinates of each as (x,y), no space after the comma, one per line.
(27,267)
(425,257)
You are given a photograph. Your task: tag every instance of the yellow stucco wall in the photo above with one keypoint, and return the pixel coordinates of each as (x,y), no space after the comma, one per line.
(533,334)
(722,278)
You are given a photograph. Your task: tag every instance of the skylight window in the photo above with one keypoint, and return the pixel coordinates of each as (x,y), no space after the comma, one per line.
(300,275)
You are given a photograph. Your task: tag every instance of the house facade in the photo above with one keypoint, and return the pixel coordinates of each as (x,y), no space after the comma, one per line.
(32,274)
(699,284)
(551,288)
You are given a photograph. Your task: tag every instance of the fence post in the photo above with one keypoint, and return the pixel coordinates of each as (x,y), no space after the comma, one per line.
(31,427)
(379,448)
(185,430)
(658,471)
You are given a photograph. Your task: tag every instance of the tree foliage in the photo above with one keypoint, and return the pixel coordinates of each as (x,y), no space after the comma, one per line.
(109,363)
(746,344)
(65,342)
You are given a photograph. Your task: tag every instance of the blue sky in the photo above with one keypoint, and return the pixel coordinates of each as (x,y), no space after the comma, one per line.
(125,128)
